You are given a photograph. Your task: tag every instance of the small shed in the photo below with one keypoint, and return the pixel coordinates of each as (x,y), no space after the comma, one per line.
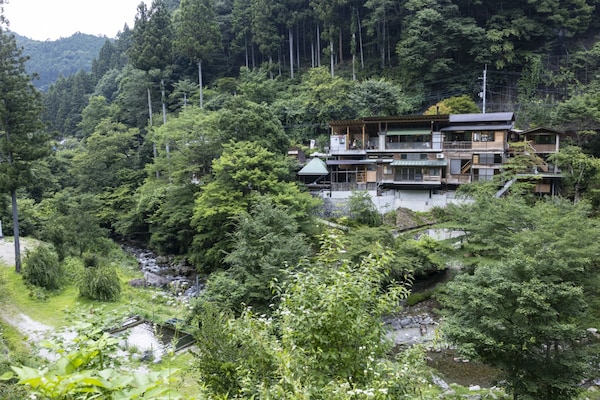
(315,174)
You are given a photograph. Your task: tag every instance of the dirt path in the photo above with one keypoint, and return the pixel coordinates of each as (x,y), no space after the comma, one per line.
(33,331)
(7,250)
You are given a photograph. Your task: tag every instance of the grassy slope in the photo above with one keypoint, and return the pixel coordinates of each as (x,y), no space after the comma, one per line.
(17,297)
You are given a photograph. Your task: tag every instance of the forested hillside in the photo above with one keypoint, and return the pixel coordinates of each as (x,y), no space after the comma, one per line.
(177,140)
(426,50)
(63,57)
(140,138)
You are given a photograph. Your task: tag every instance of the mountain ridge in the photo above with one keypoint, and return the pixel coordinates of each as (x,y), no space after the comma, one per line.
(51,59)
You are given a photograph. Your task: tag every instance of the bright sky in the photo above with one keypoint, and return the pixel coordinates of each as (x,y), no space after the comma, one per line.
(53,19)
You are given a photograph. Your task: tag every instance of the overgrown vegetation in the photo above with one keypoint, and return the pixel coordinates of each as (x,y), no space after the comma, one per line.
(285,315)
(100,283)
(43,269)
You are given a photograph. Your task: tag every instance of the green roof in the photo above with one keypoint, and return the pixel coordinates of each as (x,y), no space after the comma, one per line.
(316,166)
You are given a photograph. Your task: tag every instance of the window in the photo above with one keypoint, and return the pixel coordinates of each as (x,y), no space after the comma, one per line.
(487,137)
(459,166)
(387,170)
(435,171)
(409,174)
(487,158)
(413,156)
(544,139)
(483,136)
(483,174)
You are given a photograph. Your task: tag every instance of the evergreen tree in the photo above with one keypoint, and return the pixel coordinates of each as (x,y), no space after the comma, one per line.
(151,48)
(197,34)
(21,142)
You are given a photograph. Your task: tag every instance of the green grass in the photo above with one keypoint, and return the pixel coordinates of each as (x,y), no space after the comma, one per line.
(60,308)
(25,299)
(14,341)
(49,307)
(186,379)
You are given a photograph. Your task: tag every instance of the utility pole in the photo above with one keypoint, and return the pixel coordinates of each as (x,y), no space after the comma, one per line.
(482,94)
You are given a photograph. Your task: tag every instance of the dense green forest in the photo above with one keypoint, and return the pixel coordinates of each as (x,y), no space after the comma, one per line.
(64,57)
(176,139)
(137,130)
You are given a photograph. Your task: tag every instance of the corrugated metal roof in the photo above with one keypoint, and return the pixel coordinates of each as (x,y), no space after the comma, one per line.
(316,166)
(408,132)
(488,117)
(454,128)
(350,162)
(419,163)
(541,131)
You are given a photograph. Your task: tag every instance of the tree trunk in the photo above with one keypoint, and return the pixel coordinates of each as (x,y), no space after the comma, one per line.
(246,50)
(15,215)
(154,152)
(318,46)
(164,113)
(360,42)
(291,37)
(200,84)
(297,48)
(382,45)
(353,67)
(341,49)
(163,102)
(331,63)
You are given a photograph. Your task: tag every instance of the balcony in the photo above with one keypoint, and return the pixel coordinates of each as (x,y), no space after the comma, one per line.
(458,145)
(408,146)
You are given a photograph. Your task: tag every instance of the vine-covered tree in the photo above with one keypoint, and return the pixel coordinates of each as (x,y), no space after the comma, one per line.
(435,42)
(454,105)
(264,29)
(267,247)
(578,169)
(244,171)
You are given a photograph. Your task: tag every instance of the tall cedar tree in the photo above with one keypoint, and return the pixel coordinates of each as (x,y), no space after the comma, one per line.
(21,142)
(197,34)
(151,47)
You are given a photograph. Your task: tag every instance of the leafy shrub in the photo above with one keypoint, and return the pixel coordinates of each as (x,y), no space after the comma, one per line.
(100,283)
(363,210)
(73,267)
(38,293)
(85,373)
(42,268)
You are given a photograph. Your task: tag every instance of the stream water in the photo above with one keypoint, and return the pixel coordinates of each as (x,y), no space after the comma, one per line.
(176,277)
(151,341)
(415,325)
